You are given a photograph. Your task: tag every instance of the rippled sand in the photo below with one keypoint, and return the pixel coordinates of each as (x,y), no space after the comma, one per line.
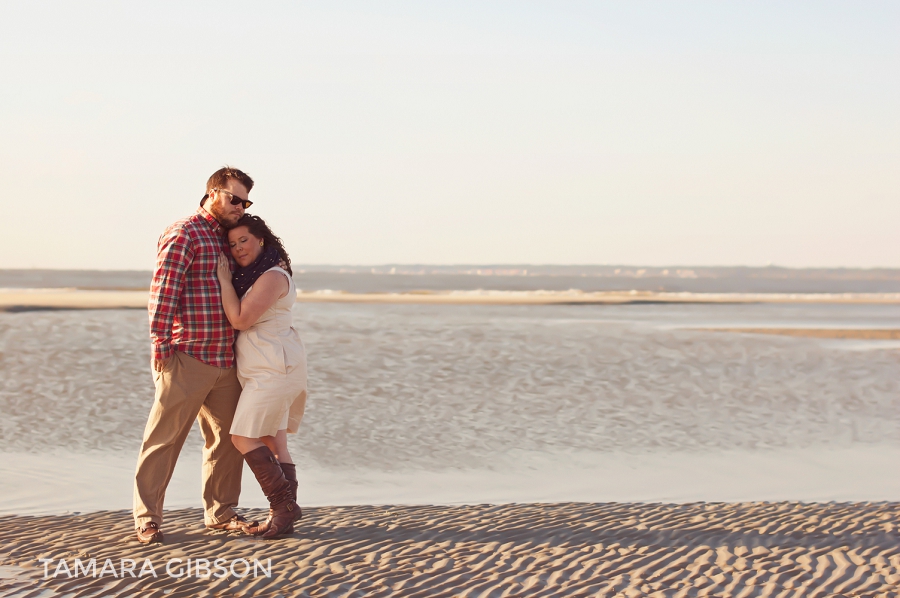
(461,397)
(574,549)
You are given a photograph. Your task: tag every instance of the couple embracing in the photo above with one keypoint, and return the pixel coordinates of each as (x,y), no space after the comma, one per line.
(224,353)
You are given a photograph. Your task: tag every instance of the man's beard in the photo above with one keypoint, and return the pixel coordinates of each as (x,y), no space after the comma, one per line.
(226,220)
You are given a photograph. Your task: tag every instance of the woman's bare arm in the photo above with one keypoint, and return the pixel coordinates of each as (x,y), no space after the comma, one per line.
(268,288)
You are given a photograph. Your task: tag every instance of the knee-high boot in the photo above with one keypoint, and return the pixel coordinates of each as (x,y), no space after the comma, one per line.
(290,474)
(283,511)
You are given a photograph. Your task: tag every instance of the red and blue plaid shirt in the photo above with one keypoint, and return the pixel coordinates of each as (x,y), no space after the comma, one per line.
(185,300)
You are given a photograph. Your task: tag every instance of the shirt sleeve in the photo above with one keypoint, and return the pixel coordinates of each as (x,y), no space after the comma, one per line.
(174,255)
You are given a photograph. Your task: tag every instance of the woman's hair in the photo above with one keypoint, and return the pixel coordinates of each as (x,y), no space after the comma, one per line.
(258,228)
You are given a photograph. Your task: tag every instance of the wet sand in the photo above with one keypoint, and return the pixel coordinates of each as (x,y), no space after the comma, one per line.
(48,299)
(854,333)
(575,297)
(569,549)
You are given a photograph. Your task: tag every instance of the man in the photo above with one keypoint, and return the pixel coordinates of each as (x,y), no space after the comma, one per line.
(193,362)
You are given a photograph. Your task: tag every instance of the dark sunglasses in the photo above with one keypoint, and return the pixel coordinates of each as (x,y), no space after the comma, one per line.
(235,200)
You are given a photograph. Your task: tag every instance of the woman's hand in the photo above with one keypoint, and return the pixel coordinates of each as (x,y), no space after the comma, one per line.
(223,270)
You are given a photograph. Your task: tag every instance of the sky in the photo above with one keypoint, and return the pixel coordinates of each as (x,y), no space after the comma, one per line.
(641,133)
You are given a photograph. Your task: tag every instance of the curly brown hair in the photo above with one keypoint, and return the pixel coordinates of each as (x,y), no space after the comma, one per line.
(259,229)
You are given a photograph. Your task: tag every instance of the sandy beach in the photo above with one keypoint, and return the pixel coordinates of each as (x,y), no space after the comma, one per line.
(593,299)
(587,434)
(568,549)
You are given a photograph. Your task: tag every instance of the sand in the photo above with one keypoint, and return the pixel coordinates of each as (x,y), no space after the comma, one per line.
(854,333)
(431,393)
(569,549)
(576,297)
(48,299)
(68,298)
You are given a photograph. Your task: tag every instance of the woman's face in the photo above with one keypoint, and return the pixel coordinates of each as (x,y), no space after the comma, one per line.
(245,248)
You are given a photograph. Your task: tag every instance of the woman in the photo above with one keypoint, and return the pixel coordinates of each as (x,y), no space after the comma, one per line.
(271,365)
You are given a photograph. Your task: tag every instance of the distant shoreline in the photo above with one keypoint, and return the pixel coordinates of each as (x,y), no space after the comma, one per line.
(526,277)
(18,300)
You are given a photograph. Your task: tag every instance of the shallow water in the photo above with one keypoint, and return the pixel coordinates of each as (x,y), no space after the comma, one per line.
(95,481)
(401,389)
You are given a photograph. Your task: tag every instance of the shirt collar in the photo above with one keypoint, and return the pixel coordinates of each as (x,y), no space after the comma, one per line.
(210,220)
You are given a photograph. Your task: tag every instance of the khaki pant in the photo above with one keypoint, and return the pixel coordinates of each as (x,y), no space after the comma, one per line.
(187,389)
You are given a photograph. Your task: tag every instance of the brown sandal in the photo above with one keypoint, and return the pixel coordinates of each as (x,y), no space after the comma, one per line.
(149,534)
(238,523)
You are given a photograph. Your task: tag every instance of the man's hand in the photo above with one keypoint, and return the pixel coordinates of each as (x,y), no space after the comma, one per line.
(159,364)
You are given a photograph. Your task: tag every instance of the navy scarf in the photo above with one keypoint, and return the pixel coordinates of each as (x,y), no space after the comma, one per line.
(243,278)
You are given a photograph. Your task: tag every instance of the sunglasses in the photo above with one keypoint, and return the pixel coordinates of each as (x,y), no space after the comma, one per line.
(235,200)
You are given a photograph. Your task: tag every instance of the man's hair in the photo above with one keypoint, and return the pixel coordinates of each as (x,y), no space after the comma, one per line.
(219,179)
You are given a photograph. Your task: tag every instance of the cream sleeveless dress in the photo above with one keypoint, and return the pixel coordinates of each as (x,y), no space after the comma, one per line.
(271,367)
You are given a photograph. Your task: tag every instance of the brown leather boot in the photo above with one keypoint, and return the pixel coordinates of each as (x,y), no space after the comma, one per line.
(283,510)
(290,474)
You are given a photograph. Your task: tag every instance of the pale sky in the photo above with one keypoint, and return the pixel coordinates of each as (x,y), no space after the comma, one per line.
(652,133)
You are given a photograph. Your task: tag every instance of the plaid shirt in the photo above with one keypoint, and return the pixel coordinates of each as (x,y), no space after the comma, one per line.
(185,300)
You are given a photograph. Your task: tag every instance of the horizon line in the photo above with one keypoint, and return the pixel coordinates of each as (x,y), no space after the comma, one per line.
(494,266)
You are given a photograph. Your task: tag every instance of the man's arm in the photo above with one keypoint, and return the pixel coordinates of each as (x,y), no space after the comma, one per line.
(174,256)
